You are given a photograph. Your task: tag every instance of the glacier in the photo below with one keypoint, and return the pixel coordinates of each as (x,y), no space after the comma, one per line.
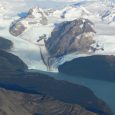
(25,45)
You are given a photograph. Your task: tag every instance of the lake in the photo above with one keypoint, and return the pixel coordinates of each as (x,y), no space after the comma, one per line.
(103,89)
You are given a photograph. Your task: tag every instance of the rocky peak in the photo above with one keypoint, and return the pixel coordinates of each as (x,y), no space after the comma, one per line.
(71,36)
(36,12)
(10,63)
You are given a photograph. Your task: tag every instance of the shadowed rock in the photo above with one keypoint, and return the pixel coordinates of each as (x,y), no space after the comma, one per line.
(5,44)
(96,67)
(17,103)
(10,62)
(17,28)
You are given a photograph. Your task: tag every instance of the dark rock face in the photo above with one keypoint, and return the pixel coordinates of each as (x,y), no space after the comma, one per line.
(37,11)
(5,44)
(97,67)
(17,103)
(71,36)
(9,63)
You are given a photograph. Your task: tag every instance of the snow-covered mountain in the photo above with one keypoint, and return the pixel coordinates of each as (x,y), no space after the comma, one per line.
(35,16)
(70,13)
(109,16)
(36,31)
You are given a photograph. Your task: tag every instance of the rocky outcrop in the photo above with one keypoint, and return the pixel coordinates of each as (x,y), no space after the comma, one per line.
(17,28)
(96,67)
(5,44)
(10,63)
(17,103)
(71,36)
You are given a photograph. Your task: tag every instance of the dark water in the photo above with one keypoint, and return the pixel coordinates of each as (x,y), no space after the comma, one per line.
(103,89)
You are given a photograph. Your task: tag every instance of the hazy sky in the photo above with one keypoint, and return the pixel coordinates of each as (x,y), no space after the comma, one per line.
(54,3)
(47,3)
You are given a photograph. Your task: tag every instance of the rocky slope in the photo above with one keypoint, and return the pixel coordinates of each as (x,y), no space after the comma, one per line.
(13,102)
(71,36)
(38,13)
(5,44)
(96,67)
(10,63)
